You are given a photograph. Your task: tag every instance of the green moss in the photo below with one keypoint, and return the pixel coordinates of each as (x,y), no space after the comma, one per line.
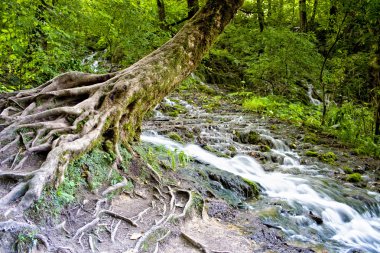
(354,178)
(172,110)
(232,148)
(329,157)
(253,137)
(206,89)
(80,125)
(254,187)
(213,150)
(311,153)
(264,148)
(273,127)
(174,136)
(250,137)
(189,135)
(311,138)
(347,170)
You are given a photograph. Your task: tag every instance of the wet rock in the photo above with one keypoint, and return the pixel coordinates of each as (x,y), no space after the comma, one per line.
(220,210)
(355,251)
(271,241)
(250,137)
(315,218)
(233,183)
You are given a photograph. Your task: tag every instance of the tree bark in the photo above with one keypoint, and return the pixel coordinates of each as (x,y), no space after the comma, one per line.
(161,14)
(192,7)
(45,128)
(303,17)
(313,15)
(260,14)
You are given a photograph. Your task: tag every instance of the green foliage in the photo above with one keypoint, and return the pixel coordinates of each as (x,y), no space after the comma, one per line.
(40,39)
(161,157)
(90,170)
(296,113)
(287,58)
(354,178)
(349,123)
(25,241)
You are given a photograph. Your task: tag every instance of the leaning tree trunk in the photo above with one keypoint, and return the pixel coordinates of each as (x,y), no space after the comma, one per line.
(42,130)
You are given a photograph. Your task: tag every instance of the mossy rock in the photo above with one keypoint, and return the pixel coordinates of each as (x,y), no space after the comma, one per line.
(231,188)
(172,110)
(310,138)
(329,157)
(347,170)
(264,148)
(311,153)
(206,89)
(254,187)
(175,137)
(250,137)
(213,150)
(221,184)
(354,178)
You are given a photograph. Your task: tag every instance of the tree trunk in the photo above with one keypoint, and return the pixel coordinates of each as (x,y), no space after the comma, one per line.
(313,15)
(43,129)
(260,15)
(161,14)
(375,76)
(302,13)
(192,7)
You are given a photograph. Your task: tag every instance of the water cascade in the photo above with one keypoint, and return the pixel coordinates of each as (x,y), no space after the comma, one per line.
(310,95)
(346,224)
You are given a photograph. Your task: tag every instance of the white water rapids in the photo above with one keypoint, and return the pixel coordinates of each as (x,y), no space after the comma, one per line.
(343,226)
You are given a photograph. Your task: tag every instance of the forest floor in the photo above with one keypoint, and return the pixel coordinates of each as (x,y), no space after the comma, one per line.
(174,211)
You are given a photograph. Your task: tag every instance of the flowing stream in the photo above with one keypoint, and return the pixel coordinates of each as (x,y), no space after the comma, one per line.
(311,207)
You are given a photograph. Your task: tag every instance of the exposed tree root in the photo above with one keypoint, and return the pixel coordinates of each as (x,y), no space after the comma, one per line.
(15,226)
(115,187)
(166,217)
(95,222)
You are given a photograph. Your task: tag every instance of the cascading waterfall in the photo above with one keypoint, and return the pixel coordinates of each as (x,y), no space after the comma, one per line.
(310,95)
(344,226)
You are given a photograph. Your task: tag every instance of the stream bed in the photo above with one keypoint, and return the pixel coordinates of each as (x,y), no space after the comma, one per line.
(301,199)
